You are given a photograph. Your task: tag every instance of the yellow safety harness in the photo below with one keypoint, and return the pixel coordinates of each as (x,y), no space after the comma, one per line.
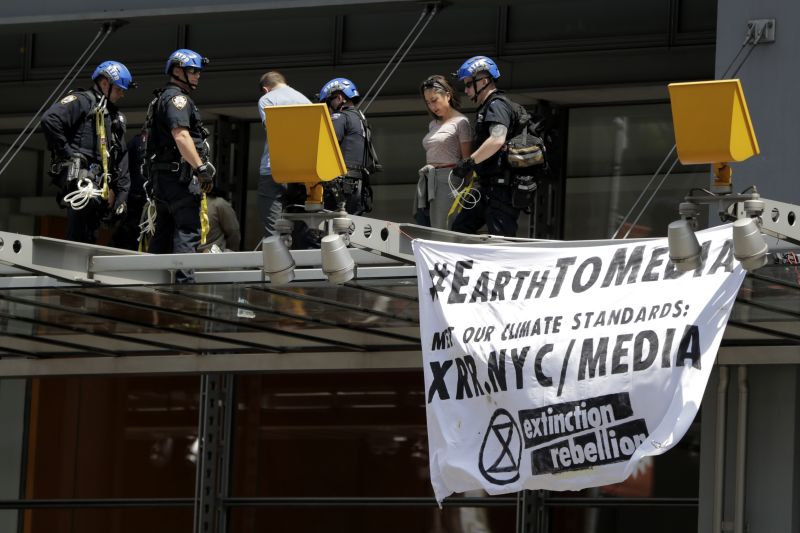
(204,225)
(100,126)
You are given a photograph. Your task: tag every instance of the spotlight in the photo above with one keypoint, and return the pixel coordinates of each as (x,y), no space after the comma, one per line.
(278,261)
(749,247)
(337,263)
(684,250)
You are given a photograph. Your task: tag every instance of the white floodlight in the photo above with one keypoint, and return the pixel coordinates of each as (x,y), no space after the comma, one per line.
(684,250)
(337,263)
(278,261)
(749,247)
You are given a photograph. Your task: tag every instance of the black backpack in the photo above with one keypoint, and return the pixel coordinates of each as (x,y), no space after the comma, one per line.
(525,151)
(147,150)
(371,162)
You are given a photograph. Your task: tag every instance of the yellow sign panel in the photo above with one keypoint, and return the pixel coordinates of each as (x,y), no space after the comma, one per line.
(712,123)
(302,144)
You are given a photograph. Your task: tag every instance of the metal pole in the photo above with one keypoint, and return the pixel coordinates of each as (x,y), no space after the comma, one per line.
(741,452)
(719,450)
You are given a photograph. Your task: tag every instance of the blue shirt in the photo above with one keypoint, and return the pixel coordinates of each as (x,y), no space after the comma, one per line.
(280,96)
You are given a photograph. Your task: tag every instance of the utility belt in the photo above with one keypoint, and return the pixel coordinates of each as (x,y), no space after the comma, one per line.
(179,169)
(354,173)
(77,168)
(522,187)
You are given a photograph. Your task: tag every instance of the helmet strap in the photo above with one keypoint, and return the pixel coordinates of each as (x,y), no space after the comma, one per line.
(185,78)
(341,101)
(478,92)
(107,94)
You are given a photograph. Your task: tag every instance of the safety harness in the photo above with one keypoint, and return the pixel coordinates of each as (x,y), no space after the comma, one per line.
(86,187)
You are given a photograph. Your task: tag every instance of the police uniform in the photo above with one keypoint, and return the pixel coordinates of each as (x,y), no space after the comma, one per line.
(70,130)
(494,207)
(353,186)
(178,207)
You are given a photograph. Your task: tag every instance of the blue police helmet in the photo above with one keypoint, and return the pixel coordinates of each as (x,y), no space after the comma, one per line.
(116,72)
(185,58)
(477,64)
(339,84)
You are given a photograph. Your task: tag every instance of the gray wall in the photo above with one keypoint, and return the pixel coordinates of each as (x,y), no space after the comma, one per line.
(771,81)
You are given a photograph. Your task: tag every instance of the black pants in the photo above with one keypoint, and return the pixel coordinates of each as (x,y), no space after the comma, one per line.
(493,209)
(126,231)
(82,224)
(177,220)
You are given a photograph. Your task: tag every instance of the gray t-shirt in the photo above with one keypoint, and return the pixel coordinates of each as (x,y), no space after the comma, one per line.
(280,96)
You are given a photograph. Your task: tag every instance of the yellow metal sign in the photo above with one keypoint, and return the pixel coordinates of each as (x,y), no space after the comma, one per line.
(712,123)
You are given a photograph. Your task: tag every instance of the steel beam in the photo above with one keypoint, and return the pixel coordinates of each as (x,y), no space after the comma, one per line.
(198,364)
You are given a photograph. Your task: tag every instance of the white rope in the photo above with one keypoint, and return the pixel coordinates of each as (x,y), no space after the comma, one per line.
(147,223)
(80,198)
(466,199)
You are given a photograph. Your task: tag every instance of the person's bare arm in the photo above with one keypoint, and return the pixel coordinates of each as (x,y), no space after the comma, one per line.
(186,146)
(496,140)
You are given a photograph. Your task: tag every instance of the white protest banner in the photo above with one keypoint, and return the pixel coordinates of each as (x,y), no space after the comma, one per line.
(559,368)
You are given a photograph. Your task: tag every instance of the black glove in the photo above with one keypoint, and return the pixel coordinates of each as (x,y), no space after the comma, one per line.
(464,168)
(205,175)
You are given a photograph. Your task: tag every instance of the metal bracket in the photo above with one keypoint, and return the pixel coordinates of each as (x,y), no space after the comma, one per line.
(216,397)
(760,31)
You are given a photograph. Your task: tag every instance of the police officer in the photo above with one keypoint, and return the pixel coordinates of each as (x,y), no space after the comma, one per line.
(495,118)
(178,165)
(351,191)
(76,129)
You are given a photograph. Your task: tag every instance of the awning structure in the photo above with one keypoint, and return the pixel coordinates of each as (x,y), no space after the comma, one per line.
(75,309)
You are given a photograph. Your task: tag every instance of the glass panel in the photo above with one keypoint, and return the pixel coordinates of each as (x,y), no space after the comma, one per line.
(331,435)
(697,15)
(370,519)
(13,50)
(595,207)
(63,46)
(622,519)
(541,20)
(108,520)
(113,438)
(613,153)
(398,142)
(261,36)
(210,318)
(368,32)
(767,299)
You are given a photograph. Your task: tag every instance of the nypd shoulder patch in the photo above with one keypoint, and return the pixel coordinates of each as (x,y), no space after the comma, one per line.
(179,101)
(69,98)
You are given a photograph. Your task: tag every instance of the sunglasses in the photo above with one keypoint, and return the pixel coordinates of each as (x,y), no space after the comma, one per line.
(471,84)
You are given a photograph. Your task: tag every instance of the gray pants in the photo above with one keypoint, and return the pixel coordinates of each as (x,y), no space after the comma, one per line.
(269,203)
(433,192)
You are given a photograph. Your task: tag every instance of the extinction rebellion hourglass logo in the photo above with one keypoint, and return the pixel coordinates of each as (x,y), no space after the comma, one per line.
(501,449)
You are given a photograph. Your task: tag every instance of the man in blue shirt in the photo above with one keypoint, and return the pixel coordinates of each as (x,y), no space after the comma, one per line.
(275,92)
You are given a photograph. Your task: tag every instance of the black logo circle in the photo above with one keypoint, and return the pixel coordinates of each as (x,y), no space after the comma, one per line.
(501,449)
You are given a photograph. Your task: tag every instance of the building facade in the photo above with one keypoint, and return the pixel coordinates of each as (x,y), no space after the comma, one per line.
(313,394)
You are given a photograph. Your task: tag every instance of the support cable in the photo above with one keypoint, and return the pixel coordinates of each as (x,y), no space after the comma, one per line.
(751,39)
(427,15)
(105,31)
